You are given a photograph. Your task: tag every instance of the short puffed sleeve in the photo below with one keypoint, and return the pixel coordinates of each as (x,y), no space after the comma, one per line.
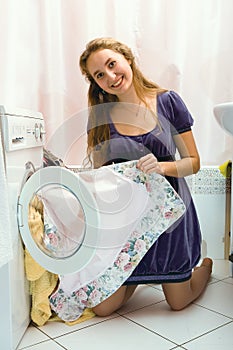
(174,109)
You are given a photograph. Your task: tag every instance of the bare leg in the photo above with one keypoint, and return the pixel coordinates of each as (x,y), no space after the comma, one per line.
(179,295)
(115,301)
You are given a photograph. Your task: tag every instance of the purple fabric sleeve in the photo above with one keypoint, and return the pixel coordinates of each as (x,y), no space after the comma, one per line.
(173,107)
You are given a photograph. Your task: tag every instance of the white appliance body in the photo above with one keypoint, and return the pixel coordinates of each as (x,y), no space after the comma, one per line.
(23,140)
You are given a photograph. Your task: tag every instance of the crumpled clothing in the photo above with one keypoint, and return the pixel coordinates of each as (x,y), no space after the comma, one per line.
(162,207)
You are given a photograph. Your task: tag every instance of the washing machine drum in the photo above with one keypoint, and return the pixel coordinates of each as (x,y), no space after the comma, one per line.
(69,220)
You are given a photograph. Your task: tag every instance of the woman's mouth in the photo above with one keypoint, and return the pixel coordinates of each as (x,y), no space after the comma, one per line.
(117,83)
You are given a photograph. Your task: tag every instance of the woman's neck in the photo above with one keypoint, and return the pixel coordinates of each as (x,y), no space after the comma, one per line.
(129,97)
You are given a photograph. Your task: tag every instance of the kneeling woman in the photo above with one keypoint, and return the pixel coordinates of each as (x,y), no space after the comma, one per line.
(140,120)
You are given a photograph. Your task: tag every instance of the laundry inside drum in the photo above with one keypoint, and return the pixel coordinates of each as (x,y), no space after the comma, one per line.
(56,221)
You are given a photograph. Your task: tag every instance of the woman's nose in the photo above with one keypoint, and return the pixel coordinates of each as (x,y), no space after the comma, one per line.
(111,74)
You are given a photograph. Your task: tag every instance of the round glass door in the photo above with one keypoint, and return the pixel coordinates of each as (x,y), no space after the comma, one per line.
(58,220)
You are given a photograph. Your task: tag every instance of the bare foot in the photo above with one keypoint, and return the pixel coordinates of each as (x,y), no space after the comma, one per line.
(206,262)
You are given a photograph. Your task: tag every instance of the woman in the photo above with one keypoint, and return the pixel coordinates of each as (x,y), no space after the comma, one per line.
(133,118)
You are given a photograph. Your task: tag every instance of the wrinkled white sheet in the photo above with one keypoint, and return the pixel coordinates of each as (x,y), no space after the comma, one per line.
(120,203)
(135,209)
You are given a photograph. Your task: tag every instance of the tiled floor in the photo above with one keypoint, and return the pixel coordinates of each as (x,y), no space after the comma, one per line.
(147,321)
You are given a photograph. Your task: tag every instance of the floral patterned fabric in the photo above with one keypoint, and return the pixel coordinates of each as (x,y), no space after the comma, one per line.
(164,209)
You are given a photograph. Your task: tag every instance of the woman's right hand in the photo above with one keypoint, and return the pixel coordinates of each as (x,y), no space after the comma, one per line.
(149,164)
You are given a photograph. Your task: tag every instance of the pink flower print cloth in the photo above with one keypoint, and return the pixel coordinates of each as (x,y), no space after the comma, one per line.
(135,209)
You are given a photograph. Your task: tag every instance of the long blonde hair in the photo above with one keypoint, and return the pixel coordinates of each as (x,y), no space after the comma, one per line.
(99,131)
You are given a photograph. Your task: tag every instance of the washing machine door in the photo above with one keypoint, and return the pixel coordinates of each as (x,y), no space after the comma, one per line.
(58,220)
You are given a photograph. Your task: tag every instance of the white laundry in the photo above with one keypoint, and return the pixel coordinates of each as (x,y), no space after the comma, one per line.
(135,209)
(120,204)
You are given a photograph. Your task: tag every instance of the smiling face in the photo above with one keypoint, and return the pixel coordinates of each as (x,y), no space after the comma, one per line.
(111,71)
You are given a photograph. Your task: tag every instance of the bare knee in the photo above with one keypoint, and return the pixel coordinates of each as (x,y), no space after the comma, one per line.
(178,295)
(176,305)
(102,310)
(115,301)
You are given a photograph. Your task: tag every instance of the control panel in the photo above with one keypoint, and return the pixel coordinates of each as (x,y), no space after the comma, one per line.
(23,131)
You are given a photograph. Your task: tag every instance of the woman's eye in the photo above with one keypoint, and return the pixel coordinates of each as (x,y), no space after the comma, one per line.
(112,64)
(99,75)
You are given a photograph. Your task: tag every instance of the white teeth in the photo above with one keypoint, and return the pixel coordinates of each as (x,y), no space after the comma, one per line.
(117,83)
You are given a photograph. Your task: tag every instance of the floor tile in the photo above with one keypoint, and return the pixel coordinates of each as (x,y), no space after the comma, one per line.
(114,334)
(147,319)
(193,321)
(228,280)
(220,339)
(213,280)
(55,329)
(32,336)
(47,345)
(222,269)
(156,286)
(219,298)
(143,296)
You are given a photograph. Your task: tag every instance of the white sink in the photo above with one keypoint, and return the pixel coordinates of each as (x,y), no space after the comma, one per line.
(224,116)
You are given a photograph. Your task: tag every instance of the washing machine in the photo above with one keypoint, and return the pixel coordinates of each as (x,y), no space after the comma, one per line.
(23,137)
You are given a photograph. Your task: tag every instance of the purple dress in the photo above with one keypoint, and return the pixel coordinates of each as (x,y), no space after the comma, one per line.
(177,251)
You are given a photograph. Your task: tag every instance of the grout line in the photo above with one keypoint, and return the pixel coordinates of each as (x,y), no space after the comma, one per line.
(214,311)
(60,345)
(224,280)
(148,329)
(204,334)
(212,330)
(139,308)
(41,342)
(85,327)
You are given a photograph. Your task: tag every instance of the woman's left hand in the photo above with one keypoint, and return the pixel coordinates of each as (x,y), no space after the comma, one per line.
(149,164)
